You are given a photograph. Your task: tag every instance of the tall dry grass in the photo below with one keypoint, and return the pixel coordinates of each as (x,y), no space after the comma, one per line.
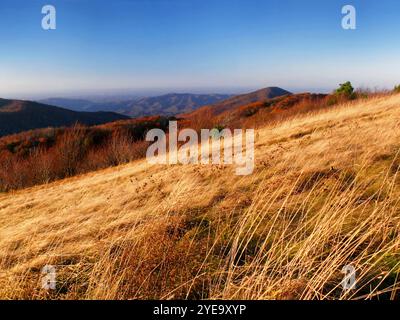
(324,194)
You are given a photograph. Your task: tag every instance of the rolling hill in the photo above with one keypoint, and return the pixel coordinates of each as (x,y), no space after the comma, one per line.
(17,116)
(324,195)
(241,100)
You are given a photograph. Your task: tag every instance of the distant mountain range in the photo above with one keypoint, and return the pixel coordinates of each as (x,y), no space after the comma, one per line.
(165,105)
(17,116)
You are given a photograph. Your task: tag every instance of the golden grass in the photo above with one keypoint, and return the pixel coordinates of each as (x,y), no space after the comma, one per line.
(324,193)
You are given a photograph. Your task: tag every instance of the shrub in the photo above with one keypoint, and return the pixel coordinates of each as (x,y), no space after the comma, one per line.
(345,90)
(332,100)
(70,150)
(397,89)
(250,112)
(119,149)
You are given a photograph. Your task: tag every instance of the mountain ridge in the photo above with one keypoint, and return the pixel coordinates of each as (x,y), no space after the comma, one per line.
(168,104)
(241,100)
(23,115)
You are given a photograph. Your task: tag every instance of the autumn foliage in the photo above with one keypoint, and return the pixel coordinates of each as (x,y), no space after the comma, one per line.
(45,155)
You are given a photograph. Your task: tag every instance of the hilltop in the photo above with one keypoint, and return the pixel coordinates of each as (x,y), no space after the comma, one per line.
(241,100)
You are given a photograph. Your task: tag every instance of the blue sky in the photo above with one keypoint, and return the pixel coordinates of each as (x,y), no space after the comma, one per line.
(195,45)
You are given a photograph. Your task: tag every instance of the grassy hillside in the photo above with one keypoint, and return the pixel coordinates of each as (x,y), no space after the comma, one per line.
(324,194)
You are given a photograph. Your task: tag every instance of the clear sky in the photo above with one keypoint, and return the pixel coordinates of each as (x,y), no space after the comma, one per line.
(196,45)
